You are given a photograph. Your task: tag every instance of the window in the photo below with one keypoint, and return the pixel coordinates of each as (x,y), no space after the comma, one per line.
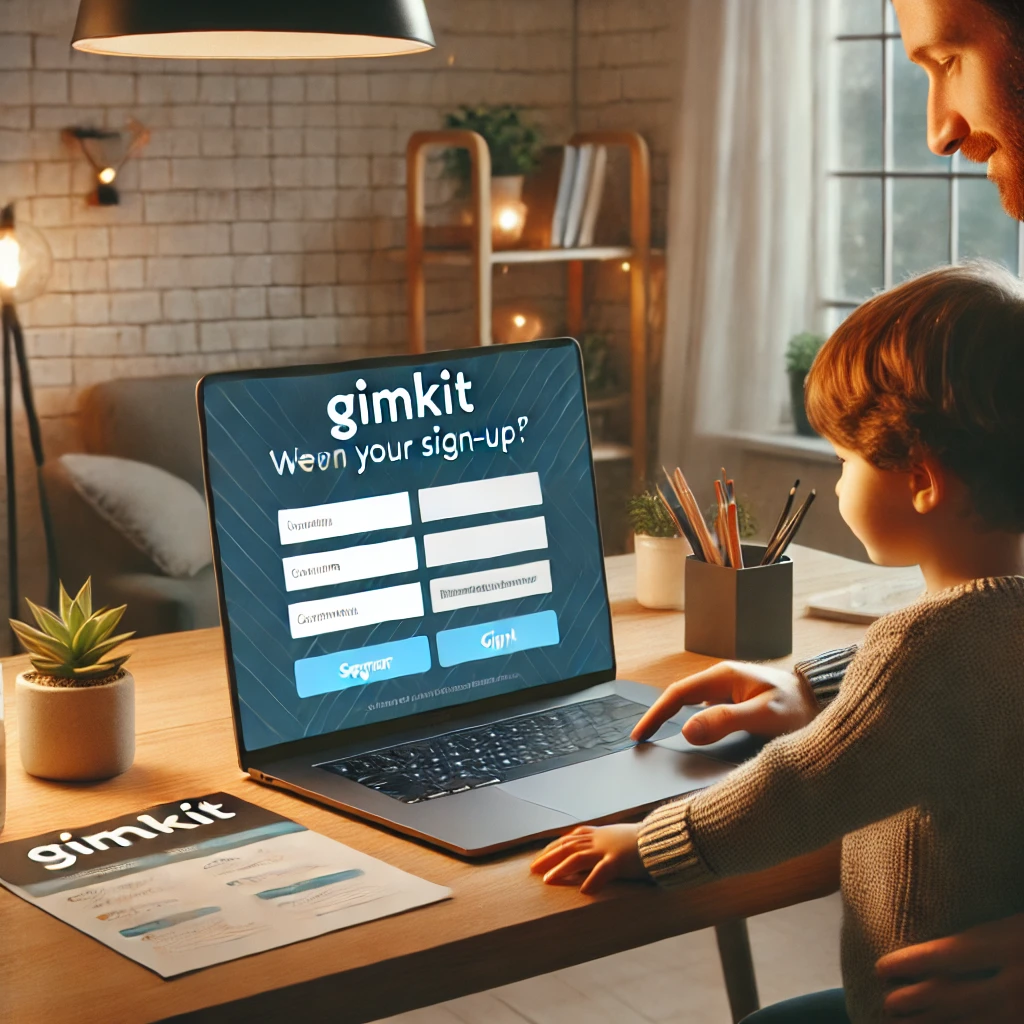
(894,208)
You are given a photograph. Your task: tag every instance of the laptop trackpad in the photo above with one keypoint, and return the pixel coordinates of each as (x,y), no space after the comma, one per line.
(630,779)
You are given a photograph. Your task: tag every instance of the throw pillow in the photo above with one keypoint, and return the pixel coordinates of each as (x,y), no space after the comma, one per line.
(161,514)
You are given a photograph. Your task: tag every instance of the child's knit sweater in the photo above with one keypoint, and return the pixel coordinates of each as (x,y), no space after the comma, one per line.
(918,763)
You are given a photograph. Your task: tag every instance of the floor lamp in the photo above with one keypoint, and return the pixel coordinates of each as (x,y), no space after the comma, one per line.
(25,266)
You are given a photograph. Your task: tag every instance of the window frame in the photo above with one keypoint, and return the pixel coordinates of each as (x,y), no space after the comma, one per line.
(955,171)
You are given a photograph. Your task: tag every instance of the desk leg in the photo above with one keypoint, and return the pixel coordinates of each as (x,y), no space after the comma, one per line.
(737,967)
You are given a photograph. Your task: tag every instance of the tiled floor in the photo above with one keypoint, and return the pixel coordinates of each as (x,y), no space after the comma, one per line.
(679,980)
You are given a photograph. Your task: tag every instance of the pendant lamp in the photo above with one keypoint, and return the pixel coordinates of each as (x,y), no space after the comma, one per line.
(252,29)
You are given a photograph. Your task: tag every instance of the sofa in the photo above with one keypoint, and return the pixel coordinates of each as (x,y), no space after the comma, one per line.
(129,511)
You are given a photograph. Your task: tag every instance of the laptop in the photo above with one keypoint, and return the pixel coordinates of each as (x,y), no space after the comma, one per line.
(413,597)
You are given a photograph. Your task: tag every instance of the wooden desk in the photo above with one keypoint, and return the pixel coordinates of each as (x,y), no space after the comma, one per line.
(502,925)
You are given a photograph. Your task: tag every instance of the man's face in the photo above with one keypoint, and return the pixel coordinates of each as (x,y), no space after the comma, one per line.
(975,99)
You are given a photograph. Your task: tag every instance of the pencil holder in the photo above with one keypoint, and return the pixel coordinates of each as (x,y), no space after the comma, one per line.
(742,614)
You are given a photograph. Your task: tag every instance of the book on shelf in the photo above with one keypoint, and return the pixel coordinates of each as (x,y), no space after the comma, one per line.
(577,196)
(594,195)
(563,197)
(565,187)
(540,195)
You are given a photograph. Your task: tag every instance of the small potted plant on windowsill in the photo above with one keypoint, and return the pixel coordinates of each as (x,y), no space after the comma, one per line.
(800,353)
(76,707)
(660,553)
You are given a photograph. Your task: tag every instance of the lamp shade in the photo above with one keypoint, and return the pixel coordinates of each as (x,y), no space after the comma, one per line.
(252,29)
(26,260)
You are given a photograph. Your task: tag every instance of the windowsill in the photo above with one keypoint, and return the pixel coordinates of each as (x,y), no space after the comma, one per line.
(781,443)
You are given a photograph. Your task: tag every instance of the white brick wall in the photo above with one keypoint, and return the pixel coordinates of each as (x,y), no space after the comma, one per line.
(251,230)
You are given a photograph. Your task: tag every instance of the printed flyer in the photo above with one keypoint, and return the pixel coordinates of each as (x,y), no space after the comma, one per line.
(204,880)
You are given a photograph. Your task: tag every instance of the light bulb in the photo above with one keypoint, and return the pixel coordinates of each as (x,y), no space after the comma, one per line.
(10,262)
(625,266)
(508,219)
(107,175)
(519,320)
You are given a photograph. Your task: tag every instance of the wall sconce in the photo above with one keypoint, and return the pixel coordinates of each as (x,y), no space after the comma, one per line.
(107,152)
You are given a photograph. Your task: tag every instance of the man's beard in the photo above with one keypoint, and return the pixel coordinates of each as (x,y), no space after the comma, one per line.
(981,146)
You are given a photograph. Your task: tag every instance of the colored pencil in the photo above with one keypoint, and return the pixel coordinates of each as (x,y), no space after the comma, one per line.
(686,518)
(689,502)
(672,514)
(774,535)
(720,519)
(789,531)
(735,547)
(679,516)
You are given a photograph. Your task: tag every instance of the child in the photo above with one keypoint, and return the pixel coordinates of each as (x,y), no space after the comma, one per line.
(917,762)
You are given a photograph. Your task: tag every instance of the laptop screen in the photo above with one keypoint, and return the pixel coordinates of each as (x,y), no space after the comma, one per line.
(400,535)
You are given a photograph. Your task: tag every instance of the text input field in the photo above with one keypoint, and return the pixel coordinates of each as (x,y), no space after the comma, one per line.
(343,518)
(490,541)
(476,497)
(346,565)
(349,611)
(449,593)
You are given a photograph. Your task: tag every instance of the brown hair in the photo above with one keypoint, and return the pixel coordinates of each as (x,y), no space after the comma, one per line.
(934,366)
(1010,12)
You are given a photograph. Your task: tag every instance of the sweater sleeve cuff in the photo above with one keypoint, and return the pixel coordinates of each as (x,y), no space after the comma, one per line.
(666,847)
(824,673)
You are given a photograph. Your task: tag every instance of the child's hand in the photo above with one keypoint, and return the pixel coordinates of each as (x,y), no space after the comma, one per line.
(763,700)
(600,853)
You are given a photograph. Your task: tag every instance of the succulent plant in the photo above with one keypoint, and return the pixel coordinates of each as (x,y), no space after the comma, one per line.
(73,646)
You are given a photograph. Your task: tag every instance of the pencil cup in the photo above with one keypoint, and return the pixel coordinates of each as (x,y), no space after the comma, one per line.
(742,614)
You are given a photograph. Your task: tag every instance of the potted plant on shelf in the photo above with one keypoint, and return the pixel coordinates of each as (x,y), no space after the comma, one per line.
(660,553)
(800,353)
(514,149)
(76,707)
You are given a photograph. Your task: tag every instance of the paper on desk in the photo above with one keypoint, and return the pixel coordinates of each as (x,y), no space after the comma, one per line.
(204,880)
(866,602)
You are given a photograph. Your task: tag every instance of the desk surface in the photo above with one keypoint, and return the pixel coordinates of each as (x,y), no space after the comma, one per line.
(502,925)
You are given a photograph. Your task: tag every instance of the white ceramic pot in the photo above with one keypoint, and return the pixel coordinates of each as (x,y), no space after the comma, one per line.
(76,733)
(660,571)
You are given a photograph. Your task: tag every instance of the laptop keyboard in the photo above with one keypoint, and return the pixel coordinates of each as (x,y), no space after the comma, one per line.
(505,750)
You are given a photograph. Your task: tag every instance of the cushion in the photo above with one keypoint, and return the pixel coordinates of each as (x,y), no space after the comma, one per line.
(161,514)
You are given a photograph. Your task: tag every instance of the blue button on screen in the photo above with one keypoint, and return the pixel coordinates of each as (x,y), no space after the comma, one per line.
(494,639)
(329,672)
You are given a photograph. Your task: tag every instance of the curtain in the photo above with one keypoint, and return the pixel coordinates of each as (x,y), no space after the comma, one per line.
(744,232)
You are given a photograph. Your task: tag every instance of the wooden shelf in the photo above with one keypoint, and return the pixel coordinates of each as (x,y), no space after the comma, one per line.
(607,452)
(464,257)
(478,255)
